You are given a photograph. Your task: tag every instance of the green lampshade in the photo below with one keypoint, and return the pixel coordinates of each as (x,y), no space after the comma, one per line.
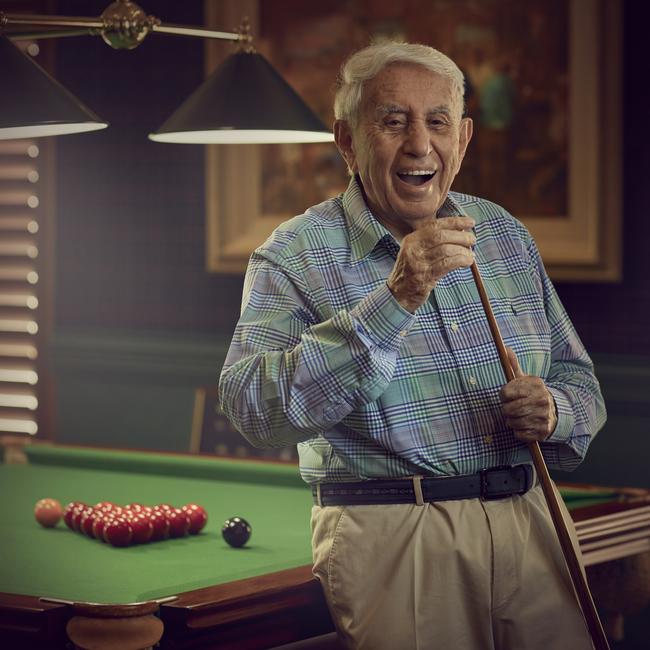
(244,101)
(34,104)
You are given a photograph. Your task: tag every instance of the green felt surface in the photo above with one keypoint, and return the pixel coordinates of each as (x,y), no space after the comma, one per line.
(63,564)
(575,497)
(166,464)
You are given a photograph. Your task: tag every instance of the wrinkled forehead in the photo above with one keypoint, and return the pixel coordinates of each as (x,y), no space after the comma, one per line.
(411,88)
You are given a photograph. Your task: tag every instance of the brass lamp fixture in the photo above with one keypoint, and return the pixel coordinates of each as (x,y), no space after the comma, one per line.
(243,101)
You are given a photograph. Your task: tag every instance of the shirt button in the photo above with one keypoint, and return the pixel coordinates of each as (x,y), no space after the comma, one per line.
(472,380)
(403,333)
(454,327)
(488,439)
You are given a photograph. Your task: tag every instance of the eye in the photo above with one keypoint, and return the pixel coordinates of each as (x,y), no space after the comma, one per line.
(394,122)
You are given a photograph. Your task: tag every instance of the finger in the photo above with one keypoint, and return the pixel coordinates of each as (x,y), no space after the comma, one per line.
(524,390)
(450,262)
(460,237)
(521,407)
(532,421)
(427,241)
(450,223)
(514,362)
(530,435)
(446,251)
(457,223)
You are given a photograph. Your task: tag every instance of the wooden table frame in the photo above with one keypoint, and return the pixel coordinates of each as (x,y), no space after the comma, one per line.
(285,606)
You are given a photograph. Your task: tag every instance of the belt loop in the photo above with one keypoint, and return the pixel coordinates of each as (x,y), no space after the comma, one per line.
(417,489)
(319,501)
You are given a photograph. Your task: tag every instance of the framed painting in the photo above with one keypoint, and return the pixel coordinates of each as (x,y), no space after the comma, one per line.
(543,88)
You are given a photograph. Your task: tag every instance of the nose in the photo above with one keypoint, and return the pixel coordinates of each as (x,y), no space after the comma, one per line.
(418,140)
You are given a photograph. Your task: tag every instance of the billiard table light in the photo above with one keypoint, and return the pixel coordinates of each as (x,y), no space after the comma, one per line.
(34,104)
(244,101)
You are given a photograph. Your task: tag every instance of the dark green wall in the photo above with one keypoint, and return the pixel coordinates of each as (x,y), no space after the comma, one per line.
(135,390)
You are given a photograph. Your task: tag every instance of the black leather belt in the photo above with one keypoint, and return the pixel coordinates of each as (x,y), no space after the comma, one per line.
(494,483)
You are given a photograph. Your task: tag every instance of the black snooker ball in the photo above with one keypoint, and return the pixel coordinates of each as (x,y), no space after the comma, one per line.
(236,531)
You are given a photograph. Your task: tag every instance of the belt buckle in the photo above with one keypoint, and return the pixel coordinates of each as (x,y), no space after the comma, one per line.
(483,483)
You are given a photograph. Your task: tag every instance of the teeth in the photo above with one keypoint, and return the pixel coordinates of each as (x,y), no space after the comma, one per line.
(420,172)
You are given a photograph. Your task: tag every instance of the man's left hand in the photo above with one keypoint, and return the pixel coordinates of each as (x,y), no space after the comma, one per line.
(528,406)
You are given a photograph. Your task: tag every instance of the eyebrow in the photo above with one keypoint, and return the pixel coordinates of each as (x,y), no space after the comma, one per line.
(387,109)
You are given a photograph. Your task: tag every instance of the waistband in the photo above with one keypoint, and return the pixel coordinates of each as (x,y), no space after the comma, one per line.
(492,483)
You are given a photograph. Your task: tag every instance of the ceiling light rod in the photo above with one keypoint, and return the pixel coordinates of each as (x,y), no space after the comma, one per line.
(123,25)
(243,101)
(49,21)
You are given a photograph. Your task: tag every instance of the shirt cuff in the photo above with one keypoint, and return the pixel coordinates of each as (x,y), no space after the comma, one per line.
(565,418)
(382,318)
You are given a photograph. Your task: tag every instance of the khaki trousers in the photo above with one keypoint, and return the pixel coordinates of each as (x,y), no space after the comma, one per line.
(450,575)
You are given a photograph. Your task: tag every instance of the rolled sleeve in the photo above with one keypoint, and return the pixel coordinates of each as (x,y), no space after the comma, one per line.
(565,418)
(382,319)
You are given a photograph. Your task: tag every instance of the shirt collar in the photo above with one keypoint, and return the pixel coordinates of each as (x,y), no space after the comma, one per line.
(450,208)
(365,230)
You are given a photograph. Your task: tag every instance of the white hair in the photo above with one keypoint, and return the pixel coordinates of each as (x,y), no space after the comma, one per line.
(367,63)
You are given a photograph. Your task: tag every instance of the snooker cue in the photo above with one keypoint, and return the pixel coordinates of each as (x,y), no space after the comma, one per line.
(577,577)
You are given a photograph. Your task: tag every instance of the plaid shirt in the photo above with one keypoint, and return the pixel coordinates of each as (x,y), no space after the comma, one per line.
(324,356)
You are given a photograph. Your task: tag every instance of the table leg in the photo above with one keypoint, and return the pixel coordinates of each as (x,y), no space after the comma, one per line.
(108,627)
(620,588)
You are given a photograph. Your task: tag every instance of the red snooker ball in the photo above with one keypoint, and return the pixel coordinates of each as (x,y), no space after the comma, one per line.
(160,526)
(78,514)
(179,522)
(69,512)
(106,506)
(87,522)
(48,512)
(142,528)
(98,526)
(118,532)
(198,517)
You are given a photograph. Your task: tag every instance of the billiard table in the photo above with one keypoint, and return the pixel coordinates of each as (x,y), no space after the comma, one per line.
(58,586)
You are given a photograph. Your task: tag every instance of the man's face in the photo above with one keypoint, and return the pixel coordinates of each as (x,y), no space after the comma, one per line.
(408,145)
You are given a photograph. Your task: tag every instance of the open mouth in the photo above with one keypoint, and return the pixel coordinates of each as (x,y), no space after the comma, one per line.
(419,177)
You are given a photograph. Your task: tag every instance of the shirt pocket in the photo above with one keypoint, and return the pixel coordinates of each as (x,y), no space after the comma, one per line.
(524,327)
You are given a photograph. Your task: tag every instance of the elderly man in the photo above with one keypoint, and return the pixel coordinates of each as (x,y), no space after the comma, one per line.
(362,339)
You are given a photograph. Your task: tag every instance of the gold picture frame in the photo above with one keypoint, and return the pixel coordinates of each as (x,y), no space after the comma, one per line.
(582,245)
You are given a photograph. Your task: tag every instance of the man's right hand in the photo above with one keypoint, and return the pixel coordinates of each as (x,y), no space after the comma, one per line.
(427,254)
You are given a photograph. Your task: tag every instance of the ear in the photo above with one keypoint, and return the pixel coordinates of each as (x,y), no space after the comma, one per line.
(464,136)
(344,141)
